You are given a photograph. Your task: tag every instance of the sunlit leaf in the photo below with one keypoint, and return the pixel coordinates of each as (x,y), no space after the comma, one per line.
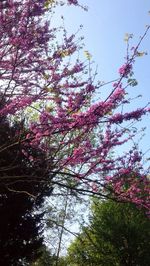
(49,3)
(87,55)
(128,36)
(140,54)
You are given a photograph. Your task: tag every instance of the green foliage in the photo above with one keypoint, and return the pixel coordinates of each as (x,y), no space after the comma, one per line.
(47,259)
(118,235)
(132,82)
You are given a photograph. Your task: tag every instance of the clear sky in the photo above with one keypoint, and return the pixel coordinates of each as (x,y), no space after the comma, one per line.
(105,25)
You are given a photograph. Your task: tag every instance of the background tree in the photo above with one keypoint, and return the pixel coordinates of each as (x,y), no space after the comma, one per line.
(118,234)
(21,196)
(64,211)
(45,258)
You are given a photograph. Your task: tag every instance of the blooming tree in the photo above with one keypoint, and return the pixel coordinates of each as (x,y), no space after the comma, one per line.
(78,136)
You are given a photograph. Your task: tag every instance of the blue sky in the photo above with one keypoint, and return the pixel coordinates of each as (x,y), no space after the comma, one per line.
(105,25)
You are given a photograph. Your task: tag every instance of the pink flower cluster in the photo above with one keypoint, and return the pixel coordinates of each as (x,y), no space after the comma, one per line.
(136,115)
(125,70)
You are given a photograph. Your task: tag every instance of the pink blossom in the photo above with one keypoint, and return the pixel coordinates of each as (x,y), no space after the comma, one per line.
(108,178)
(90,88)
(125,70)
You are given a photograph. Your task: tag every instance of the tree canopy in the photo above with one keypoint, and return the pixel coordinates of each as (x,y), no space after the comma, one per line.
(118,234)
(38,70)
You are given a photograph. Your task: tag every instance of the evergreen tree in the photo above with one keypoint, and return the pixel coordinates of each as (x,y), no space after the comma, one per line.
(21,196)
